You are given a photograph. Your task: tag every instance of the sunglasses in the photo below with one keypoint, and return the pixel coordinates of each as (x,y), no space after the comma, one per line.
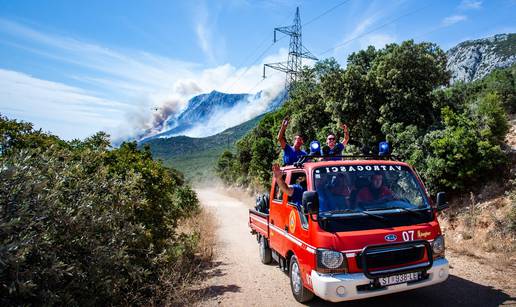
(331,139)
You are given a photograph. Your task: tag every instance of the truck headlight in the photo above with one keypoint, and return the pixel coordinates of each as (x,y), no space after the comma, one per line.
(329,261)
(438,246)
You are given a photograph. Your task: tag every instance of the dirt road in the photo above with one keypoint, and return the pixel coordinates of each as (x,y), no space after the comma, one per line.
(238,278)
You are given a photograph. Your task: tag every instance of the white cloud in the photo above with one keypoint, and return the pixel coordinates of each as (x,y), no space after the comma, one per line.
(204,36)
(366,18)
(470,5)
(361,27)
(377,40)
(134,66)
(241,112)
(145,81)
(62,109)
(210,40)
(451,20)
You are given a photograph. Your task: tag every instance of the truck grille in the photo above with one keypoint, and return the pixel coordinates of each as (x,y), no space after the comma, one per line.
(391,256)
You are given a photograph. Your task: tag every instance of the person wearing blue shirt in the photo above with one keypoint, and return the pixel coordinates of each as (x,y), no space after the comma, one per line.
(290,153)
(327,190)
(333,148)
(294,191)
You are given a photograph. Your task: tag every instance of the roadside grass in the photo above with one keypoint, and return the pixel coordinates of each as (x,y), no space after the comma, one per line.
(176,289)
(482,226)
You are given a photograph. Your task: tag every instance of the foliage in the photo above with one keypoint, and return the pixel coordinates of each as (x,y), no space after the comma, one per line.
(83,224)
(15,135)
(502,82)
(195,157)
(453,135)
(459,155)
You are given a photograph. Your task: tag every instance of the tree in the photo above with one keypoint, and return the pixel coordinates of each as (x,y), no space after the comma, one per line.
(452,135)
(406,75)
(84,224)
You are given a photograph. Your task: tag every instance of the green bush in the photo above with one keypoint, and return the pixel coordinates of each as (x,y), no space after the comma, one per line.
(452,135)
(460,155)
(82,224)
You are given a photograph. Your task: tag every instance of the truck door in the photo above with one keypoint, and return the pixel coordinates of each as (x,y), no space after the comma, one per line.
(275,216)
(297,220)
(298,223)
(289,221)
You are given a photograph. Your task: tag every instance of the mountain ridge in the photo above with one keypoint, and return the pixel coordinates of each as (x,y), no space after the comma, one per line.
(204,108)
(206,147)
(196,156)
(474,59)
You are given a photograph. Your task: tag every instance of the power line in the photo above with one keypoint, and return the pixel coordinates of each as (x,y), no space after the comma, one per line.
(255,60)
(296,52)
(326,12)
(277,40)
(251,65)
(374,29)
(444,27)
(258,47)
(258,83)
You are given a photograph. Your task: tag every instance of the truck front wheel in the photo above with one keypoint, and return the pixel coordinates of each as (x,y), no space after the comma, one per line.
(301,294)
(265,251)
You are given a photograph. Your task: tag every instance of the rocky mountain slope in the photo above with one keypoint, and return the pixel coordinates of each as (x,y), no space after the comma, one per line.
(205,108)
(474,59)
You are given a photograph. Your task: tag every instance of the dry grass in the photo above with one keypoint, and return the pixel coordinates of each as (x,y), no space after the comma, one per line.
(510,138)
(176,289)
(483,225)
(204,225)
(480,226)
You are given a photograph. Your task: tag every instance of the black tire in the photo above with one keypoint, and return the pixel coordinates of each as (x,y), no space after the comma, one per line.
(301,294)
(265,251)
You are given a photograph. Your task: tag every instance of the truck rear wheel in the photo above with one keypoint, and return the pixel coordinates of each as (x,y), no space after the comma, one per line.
(301,294)
(265,251)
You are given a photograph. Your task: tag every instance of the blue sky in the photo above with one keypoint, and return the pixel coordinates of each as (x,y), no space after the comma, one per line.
(77,67)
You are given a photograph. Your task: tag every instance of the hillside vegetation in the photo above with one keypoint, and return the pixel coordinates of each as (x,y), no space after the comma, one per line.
(454,136)
(85,224)
(196,157)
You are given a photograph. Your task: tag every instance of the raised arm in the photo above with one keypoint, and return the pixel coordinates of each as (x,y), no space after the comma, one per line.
(346,134)
(281,133)
(279,179)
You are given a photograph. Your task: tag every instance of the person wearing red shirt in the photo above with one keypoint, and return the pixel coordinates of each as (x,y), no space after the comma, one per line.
(375,191)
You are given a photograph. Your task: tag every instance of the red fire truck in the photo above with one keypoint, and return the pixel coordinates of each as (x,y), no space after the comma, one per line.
(365,227)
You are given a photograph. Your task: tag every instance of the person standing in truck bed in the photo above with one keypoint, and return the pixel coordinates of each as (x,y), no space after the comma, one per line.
(333,148)
(290,153)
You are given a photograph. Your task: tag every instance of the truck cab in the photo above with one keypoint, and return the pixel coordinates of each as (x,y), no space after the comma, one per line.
(364,227)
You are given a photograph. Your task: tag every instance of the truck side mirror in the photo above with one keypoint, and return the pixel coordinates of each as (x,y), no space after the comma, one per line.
(441,201)
(311,202)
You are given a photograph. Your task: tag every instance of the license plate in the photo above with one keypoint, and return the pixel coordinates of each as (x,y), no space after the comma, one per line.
(398,279)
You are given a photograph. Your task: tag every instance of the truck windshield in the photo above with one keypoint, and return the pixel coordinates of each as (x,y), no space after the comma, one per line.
(368,191)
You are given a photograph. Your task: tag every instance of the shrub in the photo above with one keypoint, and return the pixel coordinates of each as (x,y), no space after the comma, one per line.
(84,225)
(452,135)
(459,156)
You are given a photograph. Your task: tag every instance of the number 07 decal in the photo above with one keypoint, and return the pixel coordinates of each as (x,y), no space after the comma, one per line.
(408,235)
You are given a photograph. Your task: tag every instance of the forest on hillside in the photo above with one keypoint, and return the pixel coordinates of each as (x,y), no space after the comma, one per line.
(453,135)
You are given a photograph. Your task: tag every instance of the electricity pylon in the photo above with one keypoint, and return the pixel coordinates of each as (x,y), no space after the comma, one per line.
(296,52)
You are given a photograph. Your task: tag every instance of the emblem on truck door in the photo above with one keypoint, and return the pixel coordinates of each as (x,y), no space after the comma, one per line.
(391,237)
(292,221)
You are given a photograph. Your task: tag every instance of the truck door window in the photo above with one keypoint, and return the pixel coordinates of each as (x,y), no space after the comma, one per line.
(278,194)
(299,178)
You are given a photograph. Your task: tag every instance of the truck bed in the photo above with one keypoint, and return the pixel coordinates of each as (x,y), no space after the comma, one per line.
(259,222)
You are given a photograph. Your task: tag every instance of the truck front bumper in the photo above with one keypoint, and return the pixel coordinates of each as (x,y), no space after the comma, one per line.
(343,287)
